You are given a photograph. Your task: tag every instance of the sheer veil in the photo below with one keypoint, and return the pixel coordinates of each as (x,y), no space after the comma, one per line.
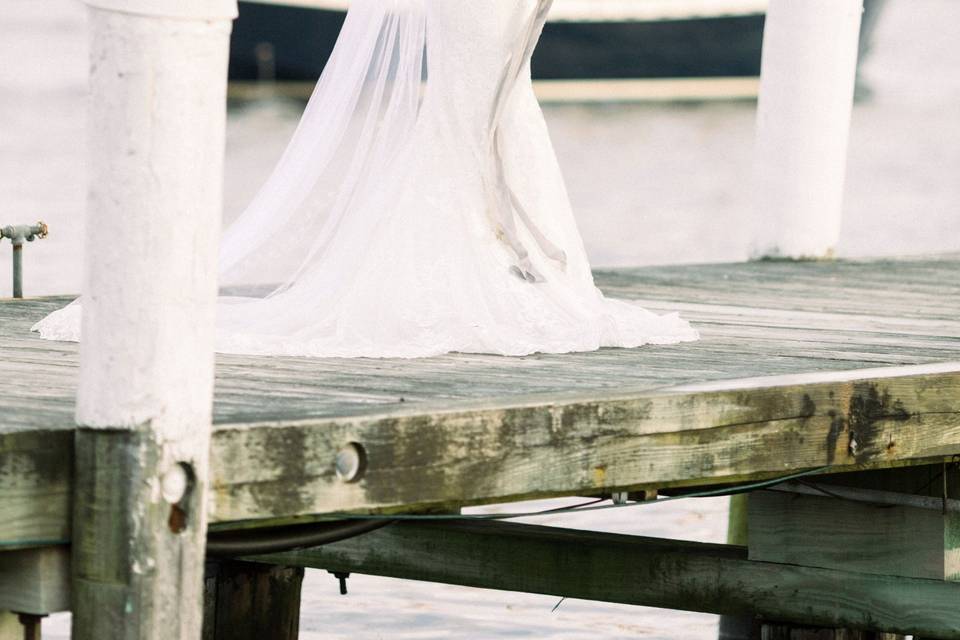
(361,113)
(405,223)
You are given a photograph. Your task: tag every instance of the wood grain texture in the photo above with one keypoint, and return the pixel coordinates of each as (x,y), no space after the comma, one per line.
(542,448)
(643,571)
(793,632)
(35,581)
(866,359)
(821,531)
(250,601)
(10,627)
(902,521)
(757,319)
(35,475)
(128,542)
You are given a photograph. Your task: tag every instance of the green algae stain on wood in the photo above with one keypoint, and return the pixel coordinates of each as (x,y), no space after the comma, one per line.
(472,429)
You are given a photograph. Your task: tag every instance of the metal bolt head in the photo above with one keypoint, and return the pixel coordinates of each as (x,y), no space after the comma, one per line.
(174,483)
(351,462)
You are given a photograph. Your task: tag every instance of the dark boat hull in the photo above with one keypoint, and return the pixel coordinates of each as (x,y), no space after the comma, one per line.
(292,43)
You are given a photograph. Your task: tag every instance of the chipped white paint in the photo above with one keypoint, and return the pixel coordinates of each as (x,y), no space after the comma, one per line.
(156,132)
(156,145)
(810,53)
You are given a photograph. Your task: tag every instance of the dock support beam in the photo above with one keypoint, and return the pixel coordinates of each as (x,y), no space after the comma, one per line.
(671,574)
(157,119)
(787,632)
(18,271)
(251,601)
(809,70)
(15,626)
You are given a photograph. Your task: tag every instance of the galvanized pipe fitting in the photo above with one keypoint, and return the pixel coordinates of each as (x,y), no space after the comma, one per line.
(18,234)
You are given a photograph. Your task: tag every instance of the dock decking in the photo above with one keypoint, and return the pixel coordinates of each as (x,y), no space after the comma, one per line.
(801,365)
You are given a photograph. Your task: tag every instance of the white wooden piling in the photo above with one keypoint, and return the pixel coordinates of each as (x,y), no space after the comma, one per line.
(156,137)
(803,122)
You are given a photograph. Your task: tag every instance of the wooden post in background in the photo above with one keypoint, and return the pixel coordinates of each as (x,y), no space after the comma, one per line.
(737,627)
(251,601)
(156,137)
(810,51)
(10,626)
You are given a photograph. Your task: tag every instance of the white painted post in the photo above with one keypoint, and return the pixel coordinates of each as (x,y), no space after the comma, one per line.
(156,139)
(803,123)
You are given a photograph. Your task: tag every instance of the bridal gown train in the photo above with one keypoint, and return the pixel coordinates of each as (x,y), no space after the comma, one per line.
(412,218)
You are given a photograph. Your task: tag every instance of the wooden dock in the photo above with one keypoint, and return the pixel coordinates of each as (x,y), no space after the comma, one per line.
(834,367)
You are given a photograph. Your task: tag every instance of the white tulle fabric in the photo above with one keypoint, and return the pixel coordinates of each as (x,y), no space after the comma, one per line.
(410,218)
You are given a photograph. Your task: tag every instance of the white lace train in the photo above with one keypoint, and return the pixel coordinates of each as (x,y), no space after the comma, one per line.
(409,226)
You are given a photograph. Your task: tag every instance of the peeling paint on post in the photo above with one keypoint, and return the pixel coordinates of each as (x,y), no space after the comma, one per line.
(157,117)
(810,51)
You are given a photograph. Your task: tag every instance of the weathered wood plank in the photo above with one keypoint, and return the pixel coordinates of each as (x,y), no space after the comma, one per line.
(35,581)
(766,319)
(703,434)
(250,601)
(643,571)
(10,627)
(36,469)
(921,288)
(113,594)
(495,420)
(793,632)
(933,480)
(902,521)
(823,531)
(698,435)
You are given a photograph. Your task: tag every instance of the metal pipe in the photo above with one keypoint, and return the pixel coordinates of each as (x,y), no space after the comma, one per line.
(18,235)
(18,270)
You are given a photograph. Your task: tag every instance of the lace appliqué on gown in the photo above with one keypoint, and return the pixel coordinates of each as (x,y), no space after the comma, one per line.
(411,219)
